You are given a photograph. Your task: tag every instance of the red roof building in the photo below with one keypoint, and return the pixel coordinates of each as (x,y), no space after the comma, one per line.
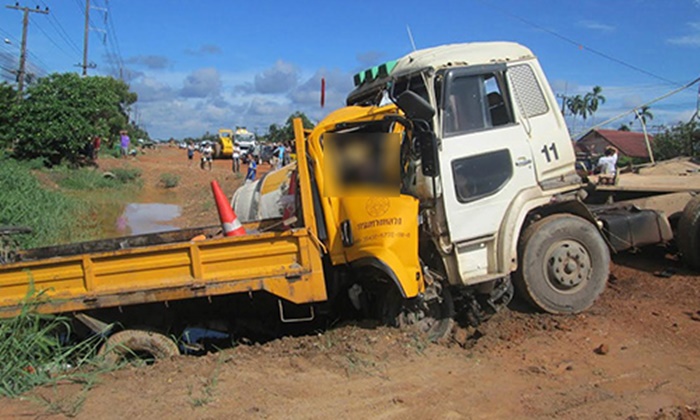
(627,143)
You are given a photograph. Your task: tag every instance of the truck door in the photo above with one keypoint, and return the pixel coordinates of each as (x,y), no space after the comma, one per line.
(485,160)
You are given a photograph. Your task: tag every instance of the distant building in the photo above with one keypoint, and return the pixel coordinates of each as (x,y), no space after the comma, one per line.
(627,143)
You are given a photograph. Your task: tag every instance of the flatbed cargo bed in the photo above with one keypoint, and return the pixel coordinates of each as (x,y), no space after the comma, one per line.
(164,267)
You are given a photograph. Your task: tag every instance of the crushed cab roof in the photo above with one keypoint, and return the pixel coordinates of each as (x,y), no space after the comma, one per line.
(473,53)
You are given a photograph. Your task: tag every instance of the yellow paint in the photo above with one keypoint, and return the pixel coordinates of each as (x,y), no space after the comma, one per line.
(263,261)
(273,180)
(226,141)
(393,244)
(287,264)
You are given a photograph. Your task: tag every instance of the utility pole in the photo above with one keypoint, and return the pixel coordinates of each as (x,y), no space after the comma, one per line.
(23,48)
(85,37)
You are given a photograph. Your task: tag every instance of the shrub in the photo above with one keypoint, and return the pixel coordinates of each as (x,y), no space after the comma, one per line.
(126,175)
(168,180)
(83,179)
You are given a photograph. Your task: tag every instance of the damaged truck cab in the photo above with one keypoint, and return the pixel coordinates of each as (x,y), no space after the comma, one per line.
(501,194)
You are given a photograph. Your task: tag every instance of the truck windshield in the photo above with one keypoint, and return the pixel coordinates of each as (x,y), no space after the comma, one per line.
(379,95)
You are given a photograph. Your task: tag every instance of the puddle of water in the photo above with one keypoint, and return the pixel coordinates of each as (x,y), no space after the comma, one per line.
(140,218)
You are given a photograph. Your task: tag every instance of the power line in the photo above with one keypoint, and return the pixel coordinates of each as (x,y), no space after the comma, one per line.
(646,104)
(578,44)
(58,28)
(51,39)
(111,28)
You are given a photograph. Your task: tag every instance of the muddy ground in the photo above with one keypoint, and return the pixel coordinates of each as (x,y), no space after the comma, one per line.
(635,354)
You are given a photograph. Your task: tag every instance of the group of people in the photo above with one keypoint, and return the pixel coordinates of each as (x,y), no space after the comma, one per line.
(280,155)
(207,152)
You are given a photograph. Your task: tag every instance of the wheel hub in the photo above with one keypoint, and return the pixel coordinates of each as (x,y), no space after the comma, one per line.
(568,265)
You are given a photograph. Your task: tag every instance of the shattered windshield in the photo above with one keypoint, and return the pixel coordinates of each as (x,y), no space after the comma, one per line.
(380,95)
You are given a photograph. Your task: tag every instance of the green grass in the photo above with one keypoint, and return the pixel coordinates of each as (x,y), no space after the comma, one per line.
(93,179)
(23,202)
(126,175)
(33,351)
(168,180)
(83,207)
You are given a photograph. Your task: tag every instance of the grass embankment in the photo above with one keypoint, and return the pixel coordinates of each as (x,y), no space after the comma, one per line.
(69,205)
(34,351)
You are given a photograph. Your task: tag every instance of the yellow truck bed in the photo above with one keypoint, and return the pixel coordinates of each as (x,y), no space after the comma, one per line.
(285,264)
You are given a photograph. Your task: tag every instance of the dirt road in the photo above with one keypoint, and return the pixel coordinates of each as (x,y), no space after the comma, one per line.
(635,354)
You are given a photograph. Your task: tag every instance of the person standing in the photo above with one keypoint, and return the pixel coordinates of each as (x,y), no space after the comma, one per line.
(190,152)
(207,153)
(125,142)
(252,170)
(236,165)
(96,143)
(280,156)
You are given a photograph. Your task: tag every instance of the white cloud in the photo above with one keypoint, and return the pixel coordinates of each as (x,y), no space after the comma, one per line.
(282,77)
(202,83)
(690,40)
(596,26)
(206,49)
(152,61)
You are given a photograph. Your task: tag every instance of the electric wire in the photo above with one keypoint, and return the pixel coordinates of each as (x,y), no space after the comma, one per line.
(579,44)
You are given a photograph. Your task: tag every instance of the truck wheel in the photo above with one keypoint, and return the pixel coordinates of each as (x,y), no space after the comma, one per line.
(433,317)
(217,150)
(136,343)
(564,264)
(688,233)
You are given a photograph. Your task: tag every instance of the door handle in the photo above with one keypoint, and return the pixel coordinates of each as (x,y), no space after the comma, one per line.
(523,161)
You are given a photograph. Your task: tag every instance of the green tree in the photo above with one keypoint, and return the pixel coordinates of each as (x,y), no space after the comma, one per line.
(594,99)
(578,106)
(8,100)
(61,113)
(277,134)
(623,127)
(643,114)
(683,139)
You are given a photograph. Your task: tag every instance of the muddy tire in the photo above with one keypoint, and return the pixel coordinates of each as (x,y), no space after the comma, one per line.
(688,233)
(564,264)
(217,151)
(127,343)
(433,319)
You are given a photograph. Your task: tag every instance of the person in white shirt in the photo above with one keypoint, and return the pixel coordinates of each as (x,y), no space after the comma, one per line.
(607,167)
(207,153)
(608,163)
(236,166)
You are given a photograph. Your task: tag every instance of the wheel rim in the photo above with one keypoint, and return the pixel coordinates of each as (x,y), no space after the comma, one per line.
(567,266)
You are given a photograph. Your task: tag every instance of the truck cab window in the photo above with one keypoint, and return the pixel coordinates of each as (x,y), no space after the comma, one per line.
(473,103)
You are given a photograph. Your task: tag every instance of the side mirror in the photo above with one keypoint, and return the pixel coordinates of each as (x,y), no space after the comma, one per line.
(427,145)
(415,106)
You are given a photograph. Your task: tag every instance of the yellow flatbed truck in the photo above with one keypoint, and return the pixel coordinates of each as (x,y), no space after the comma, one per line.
(169,282)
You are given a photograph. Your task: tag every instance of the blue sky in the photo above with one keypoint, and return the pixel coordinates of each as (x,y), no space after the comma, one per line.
(203,65)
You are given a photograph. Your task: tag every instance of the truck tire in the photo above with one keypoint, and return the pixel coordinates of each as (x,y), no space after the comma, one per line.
(434,319)
(217,150)
(688,233)
(123,344)
(564,264)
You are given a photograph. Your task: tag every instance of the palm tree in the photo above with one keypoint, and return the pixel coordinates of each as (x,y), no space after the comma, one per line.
(595,99)
(644,114)
(624,127)
(577,106)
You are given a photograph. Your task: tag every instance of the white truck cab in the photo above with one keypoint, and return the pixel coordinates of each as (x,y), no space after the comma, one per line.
(504,161)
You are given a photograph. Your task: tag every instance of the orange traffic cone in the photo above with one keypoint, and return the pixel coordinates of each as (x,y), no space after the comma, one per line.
(229,220)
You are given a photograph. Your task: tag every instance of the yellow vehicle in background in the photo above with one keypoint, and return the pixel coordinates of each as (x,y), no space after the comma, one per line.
(223,148)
